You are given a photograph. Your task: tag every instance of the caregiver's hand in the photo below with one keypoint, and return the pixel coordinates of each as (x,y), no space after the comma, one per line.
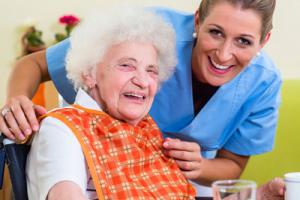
(187,155)
(18,117)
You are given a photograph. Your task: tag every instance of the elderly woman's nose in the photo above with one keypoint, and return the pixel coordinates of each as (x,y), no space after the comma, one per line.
(141,79)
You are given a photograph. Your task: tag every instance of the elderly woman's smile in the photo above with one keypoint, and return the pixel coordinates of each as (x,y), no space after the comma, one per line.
(139,97)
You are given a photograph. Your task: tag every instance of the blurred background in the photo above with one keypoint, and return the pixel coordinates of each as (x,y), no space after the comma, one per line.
(18,15)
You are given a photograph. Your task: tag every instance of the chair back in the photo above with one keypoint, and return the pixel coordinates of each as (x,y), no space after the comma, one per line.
(15,157)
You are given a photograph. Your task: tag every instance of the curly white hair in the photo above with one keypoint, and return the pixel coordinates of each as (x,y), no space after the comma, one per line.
(95,35)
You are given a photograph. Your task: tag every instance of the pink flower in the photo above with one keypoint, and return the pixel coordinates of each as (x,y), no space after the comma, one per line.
(69,20)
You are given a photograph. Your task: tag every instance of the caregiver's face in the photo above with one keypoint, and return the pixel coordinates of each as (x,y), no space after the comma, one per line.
(127,80)
(227,39)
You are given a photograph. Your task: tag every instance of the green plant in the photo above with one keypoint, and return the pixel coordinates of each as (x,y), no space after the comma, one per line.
(33,37)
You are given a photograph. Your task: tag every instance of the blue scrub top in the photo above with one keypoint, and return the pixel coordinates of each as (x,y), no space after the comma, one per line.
(240,117)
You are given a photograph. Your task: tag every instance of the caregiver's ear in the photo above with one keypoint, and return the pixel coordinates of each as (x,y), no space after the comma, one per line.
(89,80)
(265,40)
(196,21)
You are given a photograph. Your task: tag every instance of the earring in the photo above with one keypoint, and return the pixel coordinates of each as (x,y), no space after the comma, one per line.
(91,86)
(88,87)
(194,35)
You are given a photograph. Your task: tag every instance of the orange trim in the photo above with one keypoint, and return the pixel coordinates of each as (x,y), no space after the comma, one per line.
(85,151)
(88,110)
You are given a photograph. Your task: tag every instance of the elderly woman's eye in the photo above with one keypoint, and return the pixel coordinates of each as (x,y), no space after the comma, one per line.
(153,70)
(124,65)
(127,66)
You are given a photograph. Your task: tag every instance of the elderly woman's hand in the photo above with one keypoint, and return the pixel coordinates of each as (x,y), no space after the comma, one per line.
(18,117)
(272,190)
(187,155)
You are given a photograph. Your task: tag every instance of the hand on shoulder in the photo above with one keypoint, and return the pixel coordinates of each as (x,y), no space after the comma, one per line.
(18,117)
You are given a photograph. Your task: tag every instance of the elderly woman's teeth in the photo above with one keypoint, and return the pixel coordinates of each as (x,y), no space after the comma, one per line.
(134,95)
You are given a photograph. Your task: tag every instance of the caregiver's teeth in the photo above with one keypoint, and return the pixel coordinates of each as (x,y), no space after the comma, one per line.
(222,67)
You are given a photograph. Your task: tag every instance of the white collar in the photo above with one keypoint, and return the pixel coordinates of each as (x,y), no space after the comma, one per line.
(83,99)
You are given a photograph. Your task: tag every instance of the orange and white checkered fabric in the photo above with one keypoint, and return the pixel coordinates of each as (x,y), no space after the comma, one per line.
(125,161)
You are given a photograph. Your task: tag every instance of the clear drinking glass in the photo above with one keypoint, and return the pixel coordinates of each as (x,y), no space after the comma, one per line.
(234,190)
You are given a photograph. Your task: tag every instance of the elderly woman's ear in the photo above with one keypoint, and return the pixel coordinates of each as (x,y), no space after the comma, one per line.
(89,81)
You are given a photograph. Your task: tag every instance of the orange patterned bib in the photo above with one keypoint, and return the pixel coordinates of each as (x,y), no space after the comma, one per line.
(125,161)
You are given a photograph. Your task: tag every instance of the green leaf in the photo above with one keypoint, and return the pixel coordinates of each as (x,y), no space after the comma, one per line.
(60,37)
(35,38)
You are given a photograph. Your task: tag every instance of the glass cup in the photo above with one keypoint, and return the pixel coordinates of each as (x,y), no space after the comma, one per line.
(234,190)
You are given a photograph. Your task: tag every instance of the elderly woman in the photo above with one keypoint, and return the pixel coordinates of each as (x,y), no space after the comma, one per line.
(105,145)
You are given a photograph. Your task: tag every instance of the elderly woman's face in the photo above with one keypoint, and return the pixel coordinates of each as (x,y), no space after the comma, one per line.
(227,40)
(127,80)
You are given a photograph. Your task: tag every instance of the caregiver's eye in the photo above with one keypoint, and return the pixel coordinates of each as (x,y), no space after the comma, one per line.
(244,42)
(216,32)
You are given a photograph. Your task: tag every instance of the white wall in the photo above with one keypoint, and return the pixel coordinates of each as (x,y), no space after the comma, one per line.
(284,45)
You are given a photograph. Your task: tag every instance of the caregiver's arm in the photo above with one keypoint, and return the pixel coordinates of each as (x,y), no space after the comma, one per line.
(188,157)
(28,72)
(25,77)
(226,165)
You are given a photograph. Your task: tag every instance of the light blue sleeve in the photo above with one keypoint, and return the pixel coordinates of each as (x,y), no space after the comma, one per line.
(55,56)
(256,134)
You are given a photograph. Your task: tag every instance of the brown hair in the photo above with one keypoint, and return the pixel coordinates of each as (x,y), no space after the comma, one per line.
(265,8)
